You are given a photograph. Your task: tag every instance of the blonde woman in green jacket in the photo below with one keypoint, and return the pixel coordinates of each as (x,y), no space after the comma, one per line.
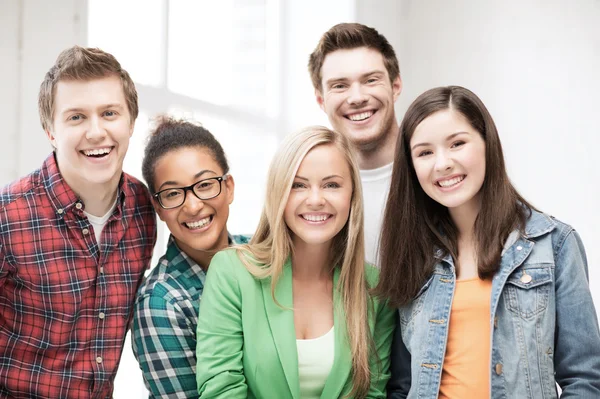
(290,315)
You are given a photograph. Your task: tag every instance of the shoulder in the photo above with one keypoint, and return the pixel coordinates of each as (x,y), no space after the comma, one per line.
(13,193)
(137,189)
(371,275)
(238,239)
(541,224)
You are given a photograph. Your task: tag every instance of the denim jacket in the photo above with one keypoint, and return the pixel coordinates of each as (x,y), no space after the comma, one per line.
(544,327)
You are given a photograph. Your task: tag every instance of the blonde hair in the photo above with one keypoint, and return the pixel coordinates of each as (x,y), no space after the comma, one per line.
(271,245)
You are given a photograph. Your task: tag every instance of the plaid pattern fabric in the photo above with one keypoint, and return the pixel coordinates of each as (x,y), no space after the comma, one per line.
(65,302)
(164,323)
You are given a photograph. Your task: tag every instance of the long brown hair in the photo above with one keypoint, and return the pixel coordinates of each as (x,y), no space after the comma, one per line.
(271,245)
(415,226)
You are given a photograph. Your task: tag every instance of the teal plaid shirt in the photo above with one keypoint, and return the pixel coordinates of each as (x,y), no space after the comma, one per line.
(164,323)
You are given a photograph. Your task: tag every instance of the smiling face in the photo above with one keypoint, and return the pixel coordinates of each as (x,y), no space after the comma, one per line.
(357,96)
(320,198)
(90,131)
(199,226)
(448,155)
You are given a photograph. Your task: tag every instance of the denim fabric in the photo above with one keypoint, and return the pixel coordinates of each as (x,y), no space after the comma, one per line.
(544,327)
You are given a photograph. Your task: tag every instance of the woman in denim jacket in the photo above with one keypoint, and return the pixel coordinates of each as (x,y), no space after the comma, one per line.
(493,295)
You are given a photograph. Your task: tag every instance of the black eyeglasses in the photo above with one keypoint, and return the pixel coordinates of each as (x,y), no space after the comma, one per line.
(205,189)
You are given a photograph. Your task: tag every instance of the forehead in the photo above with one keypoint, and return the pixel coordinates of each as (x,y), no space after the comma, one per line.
(325,159)
(88,94)
(352,63)
(441,124)
(183,164)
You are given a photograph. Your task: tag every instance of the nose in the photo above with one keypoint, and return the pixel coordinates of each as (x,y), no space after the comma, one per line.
(443,162)
(315,198)
(356,95)
(192,203)
(96,130)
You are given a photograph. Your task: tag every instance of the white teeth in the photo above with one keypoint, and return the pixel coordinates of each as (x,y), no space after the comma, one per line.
(315,218)
(97,151)
(451,182)
(360,117)
(198,224)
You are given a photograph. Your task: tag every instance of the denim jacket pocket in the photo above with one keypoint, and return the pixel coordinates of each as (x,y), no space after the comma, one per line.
(410,311)
(527,291)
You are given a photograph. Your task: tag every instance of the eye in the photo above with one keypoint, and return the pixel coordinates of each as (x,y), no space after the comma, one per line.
(297,185)
(332,184)
(171,194)
(338,86)
(75,118)
(424,153)
(457,144)
(372,80)
(205,184)
(110,113)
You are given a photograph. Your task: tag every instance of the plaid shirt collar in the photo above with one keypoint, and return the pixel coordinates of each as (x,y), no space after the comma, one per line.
(61,195)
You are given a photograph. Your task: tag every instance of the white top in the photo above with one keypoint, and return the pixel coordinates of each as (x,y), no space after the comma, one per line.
(375,185)
(98,223)
(315,360)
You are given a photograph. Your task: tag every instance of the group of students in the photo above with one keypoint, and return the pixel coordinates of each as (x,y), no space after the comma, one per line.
(389,260)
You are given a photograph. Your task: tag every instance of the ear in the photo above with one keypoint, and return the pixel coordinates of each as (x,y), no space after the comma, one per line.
(396,87)
(230,185)
(51,138)
(320,99)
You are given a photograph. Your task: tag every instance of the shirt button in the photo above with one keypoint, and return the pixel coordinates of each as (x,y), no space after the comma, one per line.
(60,211)
(496,322)
(101,269)
(526,279)
(498,368)
(78,205)
(101,315)
(519,247)
(85,232)
(99,359)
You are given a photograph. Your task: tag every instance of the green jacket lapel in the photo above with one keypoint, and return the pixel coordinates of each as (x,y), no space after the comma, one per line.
(342,363)
(281,323)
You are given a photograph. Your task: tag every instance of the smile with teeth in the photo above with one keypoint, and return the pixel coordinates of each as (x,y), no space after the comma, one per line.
(315,218)
(451,182)
(97,152)
(361,117)
(198,224)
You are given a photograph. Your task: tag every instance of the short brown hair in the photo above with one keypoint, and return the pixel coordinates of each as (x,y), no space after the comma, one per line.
(79,63)
(347,36)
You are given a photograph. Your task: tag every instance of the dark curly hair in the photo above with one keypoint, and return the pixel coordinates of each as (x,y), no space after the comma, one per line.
(172,134)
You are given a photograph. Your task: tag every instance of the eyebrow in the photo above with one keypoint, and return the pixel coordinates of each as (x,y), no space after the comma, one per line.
(344,79)
(105,106)
(323,179)
(453,135)
(196,176)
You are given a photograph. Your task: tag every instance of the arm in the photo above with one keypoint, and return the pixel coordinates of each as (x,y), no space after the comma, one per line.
(220,371)
(399,383)
(164,345)
(383,333)
(577,336)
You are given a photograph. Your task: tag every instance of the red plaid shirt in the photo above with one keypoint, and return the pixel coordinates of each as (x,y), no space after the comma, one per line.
(65,301)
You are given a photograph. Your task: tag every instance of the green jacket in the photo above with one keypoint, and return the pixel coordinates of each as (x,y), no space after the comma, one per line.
(246,343)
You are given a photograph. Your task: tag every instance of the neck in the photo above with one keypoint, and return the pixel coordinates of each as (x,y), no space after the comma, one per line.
(311,262)
(203,256)
(382,153)
(97,200)
(464,219)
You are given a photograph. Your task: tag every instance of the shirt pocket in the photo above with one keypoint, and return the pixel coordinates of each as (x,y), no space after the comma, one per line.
(527,291)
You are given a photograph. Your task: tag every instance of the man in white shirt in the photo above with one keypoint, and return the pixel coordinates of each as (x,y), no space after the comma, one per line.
(356,77)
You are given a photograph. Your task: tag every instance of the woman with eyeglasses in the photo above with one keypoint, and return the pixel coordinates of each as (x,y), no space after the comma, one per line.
(290,315)
(187,173)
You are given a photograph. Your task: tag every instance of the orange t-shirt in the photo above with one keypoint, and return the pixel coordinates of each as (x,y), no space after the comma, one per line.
(466,368)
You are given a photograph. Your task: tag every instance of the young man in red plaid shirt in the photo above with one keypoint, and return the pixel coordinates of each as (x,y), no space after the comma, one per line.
(76,236)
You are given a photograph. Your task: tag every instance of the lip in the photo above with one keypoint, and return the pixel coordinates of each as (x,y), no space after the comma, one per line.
(451,188)
(364,121)
(201,229)
(96,160)
(328,218)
